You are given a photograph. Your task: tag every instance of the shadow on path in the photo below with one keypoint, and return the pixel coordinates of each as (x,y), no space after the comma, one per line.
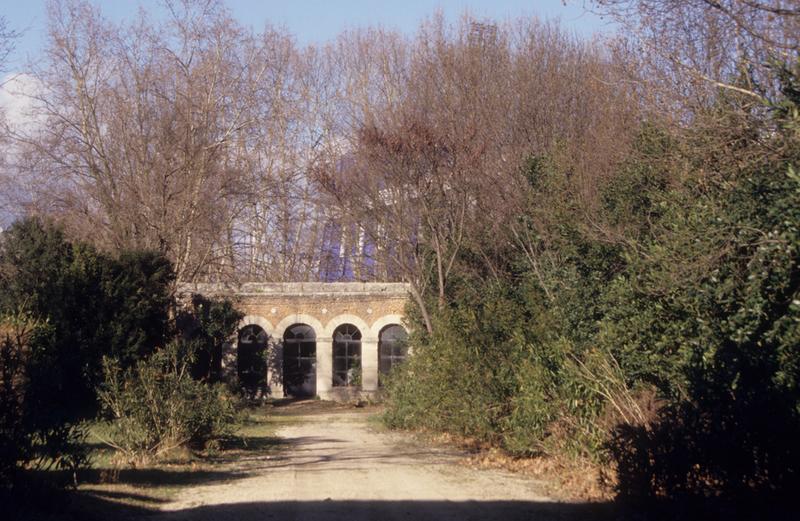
(395,510)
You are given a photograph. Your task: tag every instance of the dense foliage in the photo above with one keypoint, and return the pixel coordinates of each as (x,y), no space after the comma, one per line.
(32,433)
(73,319)
(63,307)
(156,406)
(600,236)
(94,305)
(658,333)
(208,324)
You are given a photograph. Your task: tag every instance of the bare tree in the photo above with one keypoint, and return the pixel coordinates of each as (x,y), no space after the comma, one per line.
(438,128)
(376,156)
(273,237)
(699,46)
(8,38)
(713,70)
(150,129)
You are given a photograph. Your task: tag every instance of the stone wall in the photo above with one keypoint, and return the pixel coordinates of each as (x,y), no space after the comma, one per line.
(323,306)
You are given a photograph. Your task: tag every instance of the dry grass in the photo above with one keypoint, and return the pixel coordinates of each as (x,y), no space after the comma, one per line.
(563,477)
(112,490)
(301,407)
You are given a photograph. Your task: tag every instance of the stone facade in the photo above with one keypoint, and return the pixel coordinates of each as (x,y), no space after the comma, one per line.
(275,307)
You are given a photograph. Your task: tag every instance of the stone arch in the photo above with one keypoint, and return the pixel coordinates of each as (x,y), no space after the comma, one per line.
(273,378)
(299,318)
(257,320)
(299,361)
(252,351)
(311,321)
(392,348)
(384,321)
(347,363)
(348,318)
(228,361)
(369,353)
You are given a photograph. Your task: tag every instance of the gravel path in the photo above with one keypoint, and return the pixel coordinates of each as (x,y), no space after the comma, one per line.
(337,467)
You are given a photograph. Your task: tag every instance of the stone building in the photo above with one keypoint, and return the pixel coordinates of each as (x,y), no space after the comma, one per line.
(332,340)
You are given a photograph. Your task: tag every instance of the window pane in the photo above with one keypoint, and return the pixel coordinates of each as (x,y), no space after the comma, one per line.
(392,347)
(340,364)
(299,350)
(339,349)
(346,355)
(307,349)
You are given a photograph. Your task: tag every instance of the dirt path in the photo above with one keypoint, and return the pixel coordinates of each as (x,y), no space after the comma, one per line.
(337,467)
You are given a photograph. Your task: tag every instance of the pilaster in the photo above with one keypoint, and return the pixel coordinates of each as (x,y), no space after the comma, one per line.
(369,364)
(324,367)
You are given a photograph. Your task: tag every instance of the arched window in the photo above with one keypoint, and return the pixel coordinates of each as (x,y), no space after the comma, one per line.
(251,361)
(347,356)
(392,348)
(300,360)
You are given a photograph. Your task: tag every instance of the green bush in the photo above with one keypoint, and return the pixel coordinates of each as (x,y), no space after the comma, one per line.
(98,322)
(462,378)
(95,305)
(208,323)
(660,338)
(31,437)
(156,406)
(730,329)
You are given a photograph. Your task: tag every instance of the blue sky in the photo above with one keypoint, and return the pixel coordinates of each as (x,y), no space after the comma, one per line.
(314,21)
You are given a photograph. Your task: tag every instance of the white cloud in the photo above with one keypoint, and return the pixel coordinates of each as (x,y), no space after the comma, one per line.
(16,103)
(16,111)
